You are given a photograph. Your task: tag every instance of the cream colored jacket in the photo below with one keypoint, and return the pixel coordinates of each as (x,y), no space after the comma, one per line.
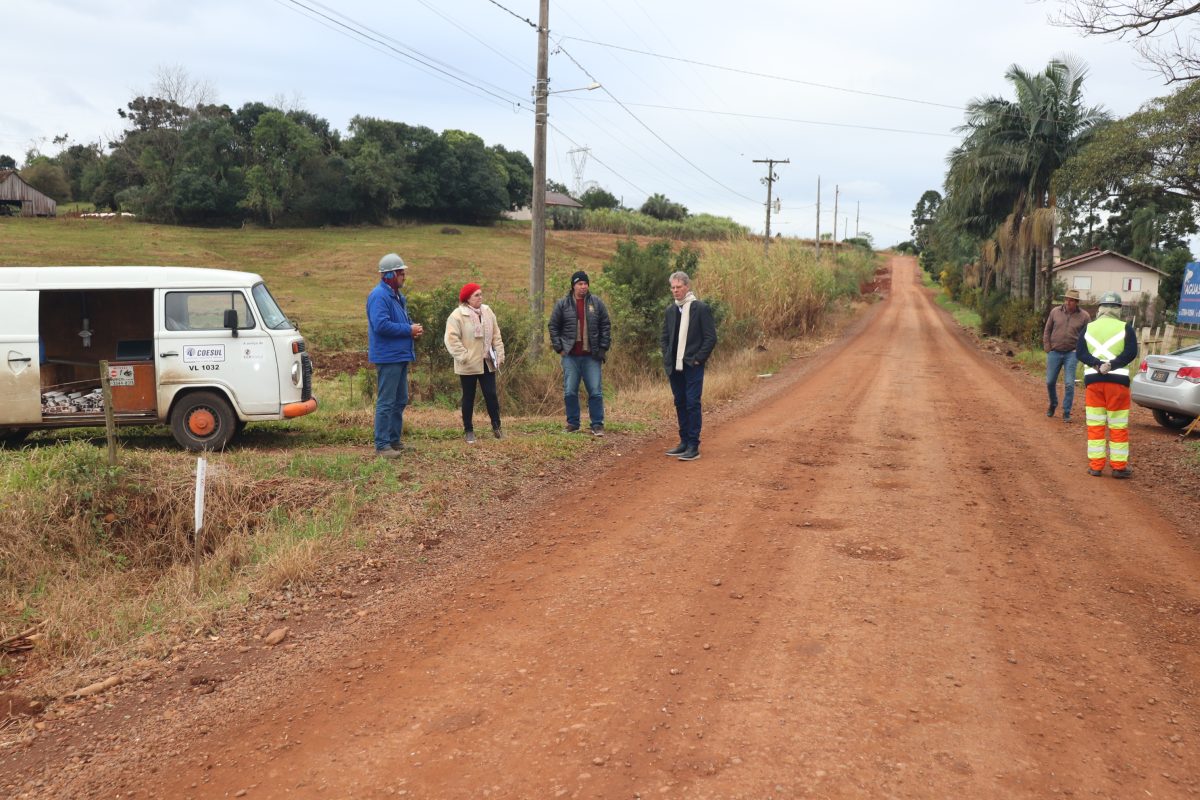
(468,350)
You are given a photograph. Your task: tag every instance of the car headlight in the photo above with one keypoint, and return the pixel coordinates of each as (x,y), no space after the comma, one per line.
(296,373)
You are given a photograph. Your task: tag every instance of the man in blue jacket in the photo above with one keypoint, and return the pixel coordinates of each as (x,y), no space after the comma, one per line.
(390,335)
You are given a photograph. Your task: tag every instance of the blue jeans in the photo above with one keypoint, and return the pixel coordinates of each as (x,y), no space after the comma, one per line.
(588,368)
(1066,362)
(391,397)
(687,386)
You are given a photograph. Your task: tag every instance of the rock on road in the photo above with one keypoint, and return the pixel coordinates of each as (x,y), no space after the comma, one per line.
(893,578)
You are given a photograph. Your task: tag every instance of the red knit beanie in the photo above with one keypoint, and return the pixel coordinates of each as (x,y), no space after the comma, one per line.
(467,291)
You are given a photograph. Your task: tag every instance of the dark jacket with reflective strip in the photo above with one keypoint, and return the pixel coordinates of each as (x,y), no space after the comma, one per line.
(1093,354)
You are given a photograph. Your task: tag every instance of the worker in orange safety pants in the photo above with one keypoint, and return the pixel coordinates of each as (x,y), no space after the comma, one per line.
(1106,347)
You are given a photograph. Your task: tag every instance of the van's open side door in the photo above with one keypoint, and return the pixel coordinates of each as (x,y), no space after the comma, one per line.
(20,361)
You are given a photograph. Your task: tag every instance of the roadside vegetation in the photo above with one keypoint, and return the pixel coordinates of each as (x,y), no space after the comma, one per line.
(97,559)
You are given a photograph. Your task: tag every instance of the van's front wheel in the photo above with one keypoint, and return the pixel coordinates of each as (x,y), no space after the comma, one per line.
(203,421)
(12,437)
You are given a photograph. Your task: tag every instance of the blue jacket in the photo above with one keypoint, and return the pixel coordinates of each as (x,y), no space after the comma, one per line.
(389,330)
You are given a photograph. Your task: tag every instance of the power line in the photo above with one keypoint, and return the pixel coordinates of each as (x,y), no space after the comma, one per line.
(377,38)
(434,9)
(780,119)
(654,133)
(769,76)
(598,161)
(526,20)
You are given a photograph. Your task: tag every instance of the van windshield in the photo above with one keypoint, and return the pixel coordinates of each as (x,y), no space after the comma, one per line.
(273,316)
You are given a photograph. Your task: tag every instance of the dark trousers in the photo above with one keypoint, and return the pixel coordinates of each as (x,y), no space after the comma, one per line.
(687,386)
(486,382)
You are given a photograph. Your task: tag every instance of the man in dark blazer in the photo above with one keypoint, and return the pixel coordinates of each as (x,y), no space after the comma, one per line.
(689,335)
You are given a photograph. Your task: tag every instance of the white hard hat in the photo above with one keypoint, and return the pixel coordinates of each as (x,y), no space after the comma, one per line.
(391,262)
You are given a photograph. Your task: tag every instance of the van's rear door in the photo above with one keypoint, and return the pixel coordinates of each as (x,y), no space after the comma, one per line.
(20,370)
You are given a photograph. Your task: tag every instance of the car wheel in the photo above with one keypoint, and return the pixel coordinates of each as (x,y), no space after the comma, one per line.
(203,421)
(12,437)
(1169,419)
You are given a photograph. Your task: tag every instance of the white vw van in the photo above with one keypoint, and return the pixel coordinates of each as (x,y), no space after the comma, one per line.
(204,350)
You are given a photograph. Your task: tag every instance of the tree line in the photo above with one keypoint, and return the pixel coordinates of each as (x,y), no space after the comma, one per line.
(208,164)
(1045,171)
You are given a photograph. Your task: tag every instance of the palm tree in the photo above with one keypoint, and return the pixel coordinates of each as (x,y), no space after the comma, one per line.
(999,179)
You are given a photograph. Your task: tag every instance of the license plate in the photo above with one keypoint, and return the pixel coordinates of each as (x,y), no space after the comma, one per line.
(1159,375)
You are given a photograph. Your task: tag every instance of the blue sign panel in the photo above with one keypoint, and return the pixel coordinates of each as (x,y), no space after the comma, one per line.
(1189,296)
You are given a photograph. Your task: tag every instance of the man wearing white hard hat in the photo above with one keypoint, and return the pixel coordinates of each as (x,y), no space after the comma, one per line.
(390,347)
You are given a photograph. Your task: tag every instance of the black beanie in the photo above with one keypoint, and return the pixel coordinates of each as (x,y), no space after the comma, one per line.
(579,276)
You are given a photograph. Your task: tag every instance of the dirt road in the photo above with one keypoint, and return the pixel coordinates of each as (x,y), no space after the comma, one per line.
(893,579)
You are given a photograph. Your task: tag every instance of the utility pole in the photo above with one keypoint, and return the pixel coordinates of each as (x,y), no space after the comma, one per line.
(537,259)
(836,189)
(817,238)
(857,211)
(770,179)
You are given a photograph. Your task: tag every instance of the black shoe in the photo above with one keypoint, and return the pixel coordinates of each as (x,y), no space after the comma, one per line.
(1050,411)
(678,450)
(691,454)
(496,432)
(1067,418)
(597,430)
(1095,473)
(470,437)
(1122,473)
(570,428)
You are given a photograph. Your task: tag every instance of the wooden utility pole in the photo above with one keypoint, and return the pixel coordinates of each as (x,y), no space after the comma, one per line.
(110,419)
(769,180)
(836,191)
(817,238)
(857,211)
(537,258)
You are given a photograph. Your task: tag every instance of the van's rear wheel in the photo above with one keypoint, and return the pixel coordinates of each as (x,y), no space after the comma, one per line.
(203,421)
(12,437)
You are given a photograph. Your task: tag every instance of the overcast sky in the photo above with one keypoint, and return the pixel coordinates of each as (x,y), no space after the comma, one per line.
(863,93)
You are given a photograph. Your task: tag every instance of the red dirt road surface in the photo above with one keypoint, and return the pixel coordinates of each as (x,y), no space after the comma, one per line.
(892,577)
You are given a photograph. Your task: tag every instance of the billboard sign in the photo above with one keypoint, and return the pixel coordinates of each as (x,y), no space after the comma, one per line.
(1189,296)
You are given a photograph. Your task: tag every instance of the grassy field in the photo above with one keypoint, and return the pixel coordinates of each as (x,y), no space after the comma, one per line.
(98,558)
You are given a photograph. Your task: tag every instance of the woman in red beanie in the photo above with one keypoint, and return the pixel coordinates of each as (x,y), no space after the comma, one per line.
(473,339)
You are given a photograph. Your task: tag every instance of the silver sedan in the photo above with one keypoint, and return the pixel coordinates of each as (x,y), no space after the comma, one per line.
(1170,386)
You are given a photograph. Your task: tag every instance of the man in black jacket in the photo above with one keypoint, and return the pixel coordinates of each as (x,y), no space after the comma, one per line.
(580,332)
(688,338)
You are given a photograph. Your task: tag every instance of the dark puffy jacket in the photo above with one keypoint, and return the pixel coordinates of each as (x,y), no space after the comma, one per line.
(564,322)
(701,338)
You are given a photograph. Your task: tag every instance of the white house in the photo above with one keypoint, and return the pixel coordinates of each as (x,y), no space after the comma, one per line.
(1098,271)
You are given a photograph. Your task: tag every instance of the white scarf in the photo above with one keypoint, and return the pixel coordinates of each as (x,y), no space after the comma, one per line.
(685,316)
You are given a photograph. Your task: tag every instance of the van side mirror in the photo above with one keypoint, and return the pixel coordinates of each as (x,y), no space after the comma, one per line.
(231,321)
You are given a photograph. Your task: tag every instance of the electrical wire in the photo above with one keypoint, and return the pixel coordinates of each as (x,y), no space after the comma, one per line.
(526,20)
(512,61)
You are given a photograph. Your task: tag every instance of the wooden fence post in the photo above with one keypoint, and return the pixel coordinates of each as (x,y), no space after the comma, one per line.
(110,420)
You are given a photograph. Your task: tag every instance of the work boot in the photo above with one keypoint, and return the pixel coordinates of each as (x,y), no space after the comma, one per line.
(387,452)
(691,454)
(570,428)
(1124,472)
(1050,411)
(1095,473)
(678,449)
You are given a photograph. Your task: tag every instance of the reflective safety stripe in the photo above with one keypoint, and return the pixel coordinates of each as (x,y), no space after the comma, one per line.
(1095,415)
(1118,419)
(1108,349)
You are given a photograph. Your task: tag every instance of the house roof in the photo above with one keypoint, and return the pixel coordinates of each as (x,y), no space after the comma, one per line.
(560,199)
(1094,253)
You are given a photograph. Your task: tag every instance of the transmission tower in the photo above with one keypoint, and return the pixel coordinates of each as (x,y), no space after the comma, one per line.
(579,157)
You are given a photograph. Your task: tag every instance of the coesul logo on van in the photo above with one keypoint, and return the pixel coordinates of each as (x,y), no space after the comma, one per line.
(203,353)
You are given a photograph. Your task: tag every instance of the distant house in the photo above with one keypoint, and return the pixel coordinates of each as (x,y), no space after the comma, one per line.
(1099,271)
(553,200)
(19,198)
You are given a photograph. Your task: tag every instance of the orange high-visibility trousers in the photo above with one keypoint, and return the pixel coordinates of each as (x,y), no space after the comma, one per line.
(1107,407)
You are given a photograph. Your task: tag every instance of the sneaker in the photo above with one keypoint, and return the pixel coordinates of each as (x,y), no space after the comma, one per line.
(691,454)
(496,432)
(570,428)
(678,450)
(400,447)
(387,452)
(1095,473)
(1067,418)
(470,437)
(597,430)
(1050,411)
(1122,473)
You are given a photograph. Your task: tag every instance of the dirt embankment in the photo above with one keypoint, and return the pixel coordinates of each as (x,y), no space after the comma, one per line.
(890,576)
